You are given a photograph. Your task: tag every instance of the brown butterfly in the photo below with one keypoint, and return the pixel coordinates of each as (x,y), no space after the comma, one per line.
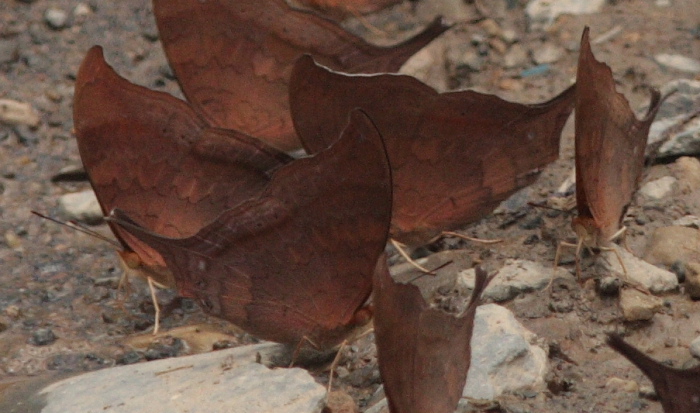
(295,262)
(679,390)
(454,156)
(610,146)
(153,157)
(233,58)
(339,9)
(424,353)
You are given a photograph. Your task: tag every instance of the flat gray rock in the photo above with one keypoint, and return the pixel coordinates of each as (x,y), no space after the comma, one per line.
(676,127)
(218,382)
(514,278)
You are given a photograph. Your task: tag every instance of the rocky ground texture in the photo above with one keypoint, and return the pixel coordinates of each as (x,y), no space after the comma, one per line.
(62,313)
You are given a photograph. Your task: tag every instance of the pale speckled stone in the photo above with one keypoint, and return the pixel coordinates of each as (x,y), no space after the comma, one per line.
(505,356)
(218,382)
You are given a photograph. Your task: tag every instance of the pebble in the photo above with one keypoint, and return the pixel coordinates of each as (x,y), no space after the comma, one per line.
(56,19)
(691,221)
(692,279)
(505,356)
(535,71)
(43,337)
(687,169)
(340,402)
(80,206)
(542,13)
(547,53)
(678,62)
(695,347)
(514,278)
(216,382)
(13,112)
(81,11)
(675,127)
(618,384)
(516,56)
(669,245)
(651,277)
(658,188)
(638,306)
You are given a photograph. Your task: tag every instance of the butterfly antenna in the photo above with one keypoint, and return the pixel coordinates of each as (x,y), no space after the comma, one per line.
(80,228)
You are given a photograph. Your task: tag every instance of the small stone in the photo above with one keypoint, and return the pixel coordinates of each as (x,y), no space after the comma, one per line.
(687,169)
(130,357)
(654,279)
(516,56)
(81,206)
(510,84)
(648,393)
(678,62)
(472,60)
(509,36)
(691,221)
(542,13)
(505,357)
(695,347)
(491,27)
(514,278)
(675,127)
(637,306)
(13,241)
(692,280)
(56,19)
(340,402)
(609,286)
(547,53)
(81,11)
(42,337)
(669,245)
(13,112)
(658,188)
(618,384)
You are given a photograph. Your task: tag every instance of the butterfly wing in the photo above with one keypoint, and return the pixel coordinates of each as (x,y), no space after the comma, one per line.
(679,390)
(610,144)
(150,155)
(423,353)
(233,58)
(454,156)
(297,261)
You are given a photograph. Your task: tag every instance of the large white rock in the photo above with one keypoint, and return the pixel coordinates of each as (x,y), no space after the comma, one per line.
(505,357)
(218,382)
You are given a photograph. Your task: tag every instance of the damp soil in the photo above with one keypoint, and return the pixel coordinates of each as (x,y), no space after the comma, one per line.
(62,310)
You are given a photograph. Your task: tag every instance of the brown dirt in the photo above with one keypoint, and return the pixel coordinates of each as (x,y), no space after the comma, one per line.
(57,279)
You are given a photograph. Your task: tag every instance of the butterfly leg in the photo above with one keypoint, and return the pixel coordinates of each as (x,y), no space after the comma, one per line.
(400,248)
(298,348)
(336,360)
(464,237)
(627,280)
(156,307)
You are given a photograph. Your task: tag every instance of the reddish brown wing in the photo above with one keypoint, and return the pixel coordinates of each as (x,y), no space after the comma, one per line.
(679,390)
(610,145)
(150,155)
(423,353)
(297,261)
(339,9)
(233,58)
(454,156)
